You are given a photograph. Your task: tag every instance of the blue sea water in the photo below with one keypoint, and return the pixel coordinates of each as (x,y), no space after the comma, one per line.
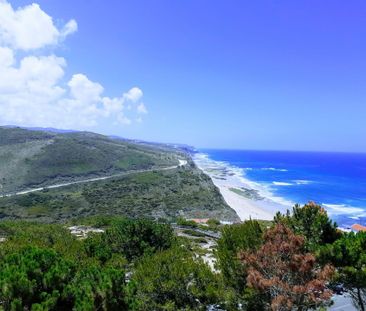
(335,180)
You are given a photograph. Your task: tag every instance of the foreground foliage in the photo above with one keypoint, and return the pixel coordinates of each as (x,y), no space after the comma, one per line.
(135,238)
(348,254)
(236,238)
(312,222)
(139,264)
(173,280)
(33,278)
(43,267)
(284,272)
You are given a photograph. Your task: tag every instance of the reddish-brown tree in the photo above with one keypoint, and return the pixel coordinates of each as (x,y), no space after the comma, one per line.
(283,271)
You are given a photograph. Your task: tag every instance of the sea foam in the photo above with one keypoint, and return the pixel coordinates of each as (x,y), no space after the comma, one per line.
(204,162)
(281,183)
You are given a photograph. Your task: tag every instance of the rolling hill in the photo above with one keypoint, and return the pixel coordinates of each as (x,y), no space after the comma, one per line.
(135,179)
(36,158)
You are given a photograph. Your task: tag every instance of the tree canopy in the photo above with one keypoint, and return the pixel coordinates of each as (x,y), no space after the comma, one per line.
(236,238)
(348,254)
(311,221)
(173,280)
(283,271)
(140,264)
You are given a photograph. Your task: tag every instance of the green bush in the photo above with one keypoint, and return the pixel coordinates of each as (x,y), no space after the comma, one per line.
(97,288)
(43,267)
(193,233)
(173,280)
(348,255)
(22,234)
(235,238)
(312,222)
(213,224)
(34,278)
(135,238)
(96,246)
(184,222)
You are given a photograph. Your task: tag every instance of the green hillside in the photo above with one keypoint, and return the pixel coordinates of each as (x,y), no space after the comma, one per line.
(141,187)
(159,194)
(32,158)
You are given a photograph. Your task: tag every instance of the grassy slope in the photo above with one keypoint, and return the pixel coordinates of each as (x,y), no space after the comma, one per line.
(158,194)
(31,159)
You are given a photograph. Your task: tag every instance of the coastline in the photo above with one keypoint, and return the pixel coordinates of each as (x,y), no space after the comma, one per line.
(245,197)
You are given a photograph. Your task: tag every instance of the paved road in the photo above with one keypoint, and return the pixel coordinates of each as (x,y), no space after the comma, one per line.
(181,163)
(342,303)
(209,233)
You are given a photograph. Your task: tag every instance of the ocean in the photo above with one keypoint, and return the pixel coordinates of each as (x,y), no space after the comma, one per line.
(335,180)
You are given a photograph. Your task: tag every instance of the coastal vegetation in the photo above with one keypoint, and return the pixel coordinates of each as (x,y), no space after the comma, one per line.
(140,264)
(283,272)
(124,225)
(157,194)
(31,159)
(247,193)
(348,254)
(312,222)
(144,180)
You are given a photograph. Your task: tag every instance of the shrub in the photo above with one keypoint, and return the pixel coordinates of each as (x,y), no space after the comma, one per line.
(135,238)
(184,222)
(237,237)
(312,222)
(173,280)
(193,233)
(33,278)
(96,288)
(285,273)
(348,254)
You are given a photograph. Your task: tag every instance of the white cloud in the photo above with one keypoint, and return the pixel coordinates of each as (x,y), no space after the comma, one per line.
(29,27)
(124,120)
(85,90)
(133,94)
(6,57)
(141,108)
(32,89)
(69,28)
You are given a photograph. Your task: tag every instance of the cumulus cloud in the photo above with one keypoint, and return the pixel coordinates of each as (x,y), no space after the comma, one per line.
(133,94)
(69,28)
(84,90)
(29,27)
(6,57)
(33,90)
(141,108)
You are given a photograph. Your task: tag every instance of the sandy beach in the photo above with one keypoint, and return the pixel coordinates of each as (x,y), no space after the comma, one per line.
(243,196)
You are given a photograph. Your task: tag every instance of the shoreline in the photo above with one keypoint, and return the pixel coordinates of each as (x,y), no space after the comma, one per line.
(247,200)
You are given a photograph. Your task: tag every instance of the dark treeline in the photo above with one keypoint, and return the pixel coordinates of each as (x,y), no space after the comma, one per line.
(292,263)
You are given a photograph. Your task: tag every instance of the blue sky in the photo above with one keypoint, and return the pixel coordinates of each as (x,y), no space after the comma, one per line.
(286,75)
